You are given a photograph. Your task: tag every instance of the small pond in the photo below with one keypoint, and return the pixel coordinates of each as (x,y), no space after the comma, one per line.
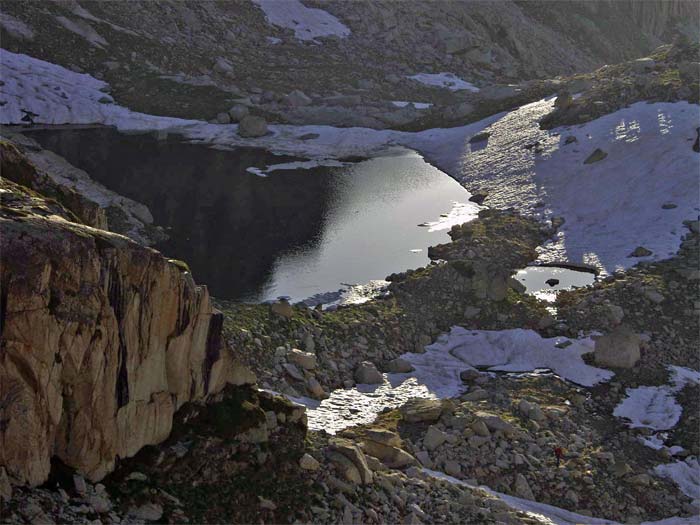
(295,232)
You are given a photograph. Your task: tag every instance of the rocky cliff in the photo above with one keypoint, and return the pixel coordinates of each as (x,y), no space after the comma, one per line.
(102,340)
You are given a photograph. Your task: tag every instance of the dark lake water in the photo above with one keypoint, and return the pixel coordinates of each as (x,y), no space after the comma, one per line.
(295,233)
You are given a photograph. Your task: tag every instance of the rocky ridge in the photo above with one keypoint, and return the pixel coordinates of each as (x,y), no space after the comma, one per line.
(159,60)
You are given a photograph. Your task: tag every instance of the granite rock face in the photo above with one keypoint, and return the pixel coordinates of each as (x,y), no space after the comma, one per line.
(102,340)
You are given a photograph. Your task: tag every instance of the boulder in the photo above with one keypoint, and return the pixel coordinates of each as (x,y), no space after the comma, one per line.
(296,99)
(367,373)
(640,251)
(453,468)
(251,127)
(147,512)
(399,366)
(434,437)
(597,155)
(5,487)
(237,112)
(357,458)
(308,462)
(390,455)
(421,410)
(293,371)
(563,101)
(618,349)
(643,64)
(282,308)
(223,118)
(223,66)
(306,360)
(522,488)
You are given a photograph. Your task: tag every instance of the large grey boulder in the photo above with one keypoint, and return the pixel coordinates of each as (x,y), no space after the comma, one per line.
(251,126)
(367,373)
(618,349)
(238,112)
(297,98)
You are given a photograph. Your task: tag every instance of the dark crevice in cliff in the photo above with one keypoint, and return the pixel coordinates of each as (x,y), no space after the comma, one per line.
(116,298)
(213,348)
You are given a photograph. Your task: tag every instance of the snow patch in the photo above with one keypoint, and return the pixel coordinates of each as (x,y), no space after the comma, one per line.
(656,407)
(515,350)
(444,80)
(296,165)
(307,23)
(84,30)
(15,27)
(361,404)
(685,474)
(549,514)
(460,213)
(417,105)
(649,407)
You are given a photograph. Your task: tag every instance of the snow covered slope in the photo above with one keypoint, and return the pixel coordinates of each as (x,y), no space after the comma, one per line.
(307,23)
(610,206)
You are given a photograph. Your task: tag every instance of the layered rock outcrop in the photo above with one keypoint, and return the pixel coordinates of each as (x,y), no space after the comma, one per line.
(102,340)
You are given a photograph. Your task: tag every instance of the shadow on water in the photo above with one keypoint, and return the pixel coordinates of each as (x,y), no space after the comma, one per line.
(295,233)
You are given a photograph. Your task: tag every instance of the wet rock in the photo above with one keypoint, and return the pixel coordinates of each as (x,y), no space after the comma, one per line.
(597,155)
(619,349)
(640,251)
(469,375)
(251,127)
(367,373)
(479,137)
(552,282)
(478,198)
(516,285)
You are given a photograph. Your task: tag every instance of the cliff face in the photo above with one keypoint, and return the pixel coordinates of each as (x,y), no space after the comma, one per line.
(102,341)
